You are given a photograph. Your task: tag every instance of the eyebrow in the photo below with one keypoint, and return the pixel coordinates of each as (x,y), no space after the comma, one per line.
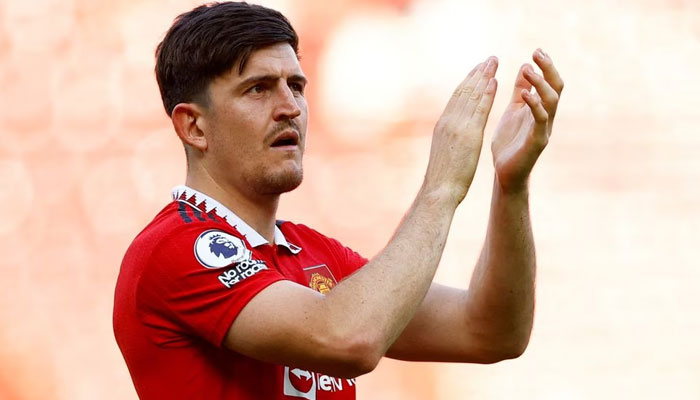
(270,78)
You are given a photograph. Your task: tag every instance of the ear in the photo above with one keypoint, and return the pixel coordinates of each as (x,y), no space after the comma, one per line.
(188,122)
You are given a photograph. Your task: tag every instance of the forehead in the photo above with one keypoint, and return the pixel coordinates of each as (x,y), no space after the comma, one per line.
(277,59)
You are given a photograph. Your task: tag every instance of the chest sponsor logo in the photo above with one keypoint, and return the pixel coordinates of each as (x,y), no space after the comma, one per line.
(305,384)
(320,278)
(240,271)
(218,249)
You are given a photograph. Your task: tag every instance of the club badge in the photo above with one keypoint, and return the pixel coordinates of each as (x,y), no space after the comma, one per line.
(218,249)
(320,278)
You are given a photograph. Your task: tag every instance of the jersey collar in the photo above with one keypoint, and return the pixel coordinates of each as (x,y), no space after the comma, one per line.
(208,204)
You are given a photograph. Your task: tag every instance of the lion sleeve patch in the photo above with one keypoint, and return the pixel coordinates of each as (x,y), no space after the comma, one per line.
(217,249)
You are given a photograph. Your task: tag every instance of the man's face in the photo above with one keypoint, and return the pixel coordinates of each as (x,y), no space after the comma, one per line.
(255,123)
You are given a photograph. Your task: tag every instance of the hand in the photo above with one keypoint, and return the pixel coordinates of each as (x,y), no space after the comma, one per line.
(459,132)
(526,125)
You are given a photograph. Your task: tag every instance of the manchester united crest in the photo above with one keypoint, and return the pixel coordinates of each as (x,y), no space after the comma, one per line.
(321,283)
(320,278)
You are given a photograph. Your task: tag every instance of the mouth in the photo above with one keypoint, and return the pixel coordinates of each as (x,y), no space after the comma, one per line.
(288,139)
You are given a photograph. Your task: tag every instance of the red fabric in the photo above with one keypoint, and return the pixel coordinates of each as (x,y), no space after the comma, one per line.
(171,312)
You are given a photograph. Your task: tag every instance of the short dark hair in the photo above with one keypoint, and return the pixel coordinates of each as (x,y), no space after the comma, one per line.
(208,41)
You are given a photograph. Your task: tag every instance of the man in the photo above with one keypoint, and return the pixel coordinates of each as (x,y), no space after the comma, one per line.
(218,300)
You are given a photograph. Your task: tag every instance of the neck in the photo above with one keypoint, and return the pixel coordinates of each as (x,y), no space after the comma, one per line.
(258,211)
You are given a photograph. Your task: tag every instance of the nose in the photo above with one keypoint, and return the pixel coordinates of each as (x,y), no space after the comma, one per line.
(287,106)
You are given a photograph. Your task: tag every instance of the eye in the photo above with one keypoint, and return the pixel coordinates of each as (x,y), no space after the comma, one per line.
(257,89)
(297,87)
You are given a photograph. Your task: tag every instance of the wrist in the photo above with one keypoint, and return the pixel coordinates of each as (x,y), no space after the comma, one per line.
(519,189)
(442,196)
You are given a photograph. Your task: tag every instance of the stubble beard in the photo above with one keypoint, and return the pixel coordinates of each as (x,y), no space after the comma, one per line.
(272,182)
(275,184)
(269,180)
(278,182)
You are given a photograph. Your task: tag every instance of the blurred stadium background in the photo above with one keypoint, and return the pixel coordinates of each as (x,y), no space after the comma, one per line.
(88,157)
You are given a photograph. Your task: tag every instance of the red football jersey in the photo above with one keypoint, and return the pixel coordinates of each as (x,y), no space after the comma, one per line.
(183,281)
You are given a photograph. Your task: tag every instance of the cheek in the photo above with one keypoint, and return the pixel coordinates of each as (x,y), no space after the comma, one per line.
(304,109)
(303,118)
(233,137)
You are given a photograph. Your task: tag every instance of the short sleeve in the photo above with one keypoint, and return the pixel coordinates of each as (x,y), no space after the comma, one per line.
(348,259)
(345,260)
(198,279)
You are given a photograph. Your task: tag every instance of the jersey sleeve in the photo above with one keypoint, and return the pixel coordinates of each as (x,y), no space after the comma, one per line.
(198,280)
(348,260)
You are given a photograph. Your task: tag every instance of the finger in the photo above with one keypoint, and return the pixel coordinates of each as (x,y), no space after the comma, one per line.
(541,118)
(473,71)
(520,84)
(464,89)
(549,96)
(467,85)
(471,83)
(491,67)
(481,86)
(462,96)
(551,75)
(538,110)
(481,113)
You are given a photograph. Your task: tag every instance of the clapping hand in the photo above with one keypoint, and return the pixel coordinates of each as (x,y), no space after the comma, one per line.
(526,125)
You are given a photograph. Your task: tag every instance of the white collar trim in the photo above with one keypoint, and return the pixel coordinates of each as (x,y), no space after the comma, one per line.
(253,237)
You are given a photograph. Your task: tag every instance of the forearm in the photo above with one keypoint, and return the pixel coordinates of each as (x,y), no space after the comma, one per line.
(384,295)
(502,289)
(387,292)
(347,331)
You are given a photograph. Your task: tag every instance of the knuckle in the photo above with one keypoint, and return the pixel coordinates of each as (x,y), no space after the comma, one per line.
(532,76)
(540,139)
(481,109)
(443,124)
(462,90)
(552,98)
(560,86)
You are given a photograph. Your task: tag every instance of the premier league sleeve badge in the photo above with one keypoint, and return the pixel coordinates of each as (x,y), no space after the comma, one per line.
(218,249)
